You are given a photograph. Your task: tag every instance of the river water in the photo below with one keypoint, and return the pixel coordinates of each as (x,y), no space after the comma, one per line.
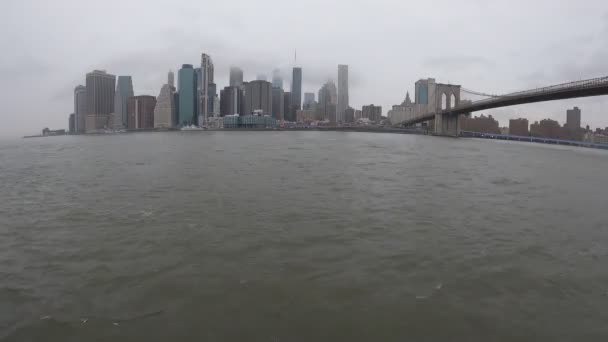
(301,236)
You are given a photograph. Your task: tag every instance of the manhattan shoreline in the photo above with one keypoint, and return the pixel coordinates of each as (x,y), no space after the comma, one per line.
(355,130)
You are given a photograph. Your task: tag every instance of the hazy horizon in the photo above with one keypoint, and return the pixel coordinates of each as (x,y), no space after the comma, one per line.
(491,47)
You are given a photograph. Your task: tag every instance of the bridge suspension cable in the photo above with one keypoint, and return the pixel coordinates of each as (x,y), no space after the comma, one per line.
(473,92)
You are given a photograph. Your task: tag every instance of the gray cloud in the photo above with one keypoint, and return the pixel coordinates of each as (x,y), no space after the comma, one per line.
(451,62)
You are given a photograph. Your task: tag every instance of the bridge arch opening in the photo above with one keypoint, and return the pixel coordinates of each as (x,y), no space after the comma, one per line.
(453,101)
(444,101)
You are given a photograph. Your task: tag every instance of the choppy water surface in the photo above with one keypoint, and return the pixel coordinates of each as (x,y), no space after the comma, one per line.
(301,236)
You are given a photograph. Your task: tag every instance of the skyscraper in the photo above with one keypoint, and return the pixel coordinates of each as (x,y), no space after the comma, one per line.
(80,108)
(309,100)
(573,129)
(349,115)
(296,91)
(164,112)
(100,99)
(211,93)
(287,107)
(205,79)
(140,112)
(258,97)
(236,77)
(124,90)
(186,79)
(326,109)
(573,118)
(72,123)
(216,106)
(342,92)
(373,113)
(171,79)
(230,101)
(277,79)
(278,104)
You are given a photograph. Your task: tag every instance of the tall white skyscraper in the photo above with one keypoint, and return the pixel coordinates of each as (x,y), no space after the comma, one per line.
(342,92)
(205,78)
(164,111)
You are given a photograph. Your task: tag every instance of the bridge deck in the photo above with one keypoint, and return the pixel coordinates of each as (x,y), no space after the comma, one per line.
(586,88)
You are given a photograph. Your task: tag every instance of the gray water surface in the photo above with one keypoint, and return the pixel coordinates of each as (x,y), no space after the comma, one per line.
(301,236)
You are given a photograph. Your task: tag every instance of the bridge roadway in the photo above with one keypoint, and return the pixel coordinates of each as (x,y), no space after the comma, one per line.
(586,88)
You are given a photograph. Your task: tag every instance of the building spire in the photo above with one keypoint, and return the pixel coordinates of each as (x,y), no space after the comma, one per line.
(407,99)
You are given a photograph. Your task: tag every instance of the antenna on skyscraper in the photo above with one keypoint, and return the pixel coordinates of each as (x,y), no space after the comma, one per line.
(295,57)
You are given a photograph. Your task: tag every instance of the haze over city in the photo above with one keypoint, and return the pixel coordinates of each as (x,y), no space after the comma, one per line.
(388,45)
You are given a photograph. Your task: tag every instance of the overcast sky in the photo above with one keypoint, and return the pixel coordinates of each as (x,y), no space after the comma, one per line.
(484,45)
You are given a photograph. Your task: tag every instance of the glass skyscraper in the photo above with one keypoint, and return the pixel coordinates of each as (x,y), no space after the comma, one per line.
(296,91)
(187,88)
(124,90)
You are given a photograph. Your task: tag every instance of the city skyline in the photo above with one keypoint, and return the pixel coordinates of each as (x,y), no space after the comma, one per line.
(254,99)
(383,81)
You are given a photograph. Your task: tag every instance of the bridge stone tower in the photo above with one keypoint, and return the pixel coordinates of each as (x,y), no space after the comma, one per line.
(448,97)
(439,98)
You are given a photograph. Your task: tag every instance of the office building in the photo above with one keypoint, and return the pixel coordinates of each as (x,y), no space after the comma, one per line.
(206,88)
(278,108)
(164,111)
(80,108)
(187,86)
(258,97)
(236,77)
(349,115)
(519,127)
(277,79)
(140,112)
(306,116)
(546,128)
(309,100)
(211,93)
(373,113)
(244,104)
(231,101)
(480,124)
(171,79)
(249,121)
(573,118)
(327,106)
(124,90)
(72,123)
(216,106)
(287,107)
(100,99)
(572,128)
(296,91)
(343,101)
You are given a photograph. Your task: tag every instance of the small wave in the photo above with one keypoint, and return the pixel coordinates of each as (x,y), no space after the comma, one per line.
(505,181)
(144,213)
